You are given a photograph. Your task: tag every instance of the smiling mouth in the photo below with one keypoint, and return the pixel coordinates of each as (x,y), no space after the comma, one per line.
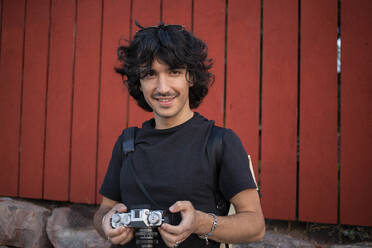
(165,101)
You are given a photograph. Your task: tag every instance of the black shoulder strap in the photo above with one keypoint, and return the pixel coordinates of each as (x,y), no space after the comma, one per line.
(129,134)
(128,146)
(215,146)
(214,153)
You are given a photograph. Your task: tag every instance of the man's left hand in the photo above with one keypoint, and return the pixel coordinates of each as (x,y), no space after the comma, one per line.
(174,235)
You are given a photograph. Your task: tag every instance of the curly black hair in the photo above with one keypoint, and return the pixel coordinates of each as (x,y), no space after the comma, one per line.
(176,47)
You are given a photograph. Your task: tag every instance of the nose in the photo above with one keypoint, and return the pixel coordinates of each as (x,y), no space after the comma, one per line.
(163,86)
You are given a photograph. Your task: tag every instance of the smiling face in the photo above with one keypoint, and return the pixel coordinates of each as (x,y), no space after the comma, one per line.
(166,90)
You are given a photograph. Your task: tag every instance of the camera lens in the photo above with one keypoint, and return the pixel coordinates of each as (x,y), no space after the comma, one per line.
(146,237)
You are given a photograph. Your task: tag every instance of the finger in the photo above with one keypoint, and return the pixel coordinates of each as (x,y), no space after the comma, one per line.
(168,239)
(120,207)
(122,236)
(180,206)
(128,237)
(173,237)
(115,232)
(175,230)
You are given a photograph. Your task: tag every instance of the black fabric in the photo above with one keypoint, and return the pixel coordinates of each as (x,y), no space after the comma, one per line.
(214,153)
(173,165)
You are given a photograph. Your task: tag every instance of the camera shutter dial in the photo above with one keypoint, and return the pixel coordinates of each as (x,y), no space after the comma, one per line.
(154,218)
(126,219)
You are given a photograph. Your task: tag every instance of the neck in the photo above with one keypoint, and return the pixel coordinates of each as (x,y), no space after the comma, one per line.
(165,123)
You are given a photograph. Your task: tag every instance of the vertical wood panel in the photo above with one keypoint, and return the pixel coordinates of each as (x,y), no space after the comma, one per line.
(279,106)
(209,26)
(242,86)
(84,125)
(147,13)
(318,113)
(356,113)
(34,93)
(1,22)
(11,63)
(113,95)
(177,12)
(58,129)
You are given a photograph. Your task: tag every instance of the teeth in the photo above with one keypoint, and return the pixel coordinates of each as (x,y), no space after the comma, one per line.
(164,100)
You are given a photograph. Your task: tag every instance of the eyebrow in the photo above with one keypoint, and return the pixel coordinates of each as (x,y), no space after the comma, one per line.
(176,67)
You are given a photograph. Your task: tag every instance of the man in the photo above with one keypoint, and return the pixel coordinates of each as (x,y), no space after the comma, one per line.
(166,70)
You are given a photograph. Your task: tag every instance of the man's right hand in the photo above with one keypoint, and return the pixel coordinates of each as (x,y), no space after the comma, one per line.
(120,235)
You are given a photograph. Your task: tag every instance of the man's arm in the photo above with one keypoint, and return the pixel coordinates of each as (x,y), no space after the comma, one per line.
(106,205)
(247,225)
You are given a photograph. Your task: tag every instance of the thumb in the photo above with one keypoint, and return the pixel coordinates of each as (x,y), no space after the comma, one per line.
(179,206)
(120,207)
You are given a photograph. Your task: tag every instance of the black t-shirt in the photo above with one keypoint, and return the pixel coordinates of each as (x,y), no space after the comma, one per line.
(172,165)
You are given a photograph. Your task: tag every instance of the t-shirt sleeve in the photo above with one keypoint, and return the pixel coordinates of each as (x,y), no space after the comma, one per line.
(235,174)
(110,187)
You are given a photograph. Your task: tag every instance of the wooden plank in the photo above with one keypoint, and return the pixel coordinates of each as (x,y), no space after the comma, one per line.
(243,73)
(279,108)
(85,112)
(177,12)
(34,95)
(318,112)
(1,22)
(113,95)
(11,69)
(147,13)
(209,25)
(58,127)
(356,113)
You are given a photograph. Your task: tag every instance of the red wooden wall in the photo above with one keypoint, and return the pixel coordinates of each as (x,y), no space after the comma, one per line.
(307,127)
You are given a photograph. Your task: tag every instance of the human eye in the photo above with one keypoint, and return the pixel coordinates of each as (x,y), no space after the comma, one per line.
(149,74)
(175,72)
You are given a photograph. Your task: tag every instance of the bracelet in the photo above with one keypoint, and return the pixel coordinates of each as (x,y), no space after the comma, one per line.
(214,226)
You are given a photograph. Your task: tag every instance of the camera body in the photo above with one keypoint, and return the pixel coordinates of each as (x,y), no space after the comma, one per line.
(139,218)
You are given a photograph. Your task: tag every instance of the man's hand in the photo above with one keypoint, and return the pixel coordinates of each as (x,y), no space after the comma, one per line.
(121,235)
(174,235)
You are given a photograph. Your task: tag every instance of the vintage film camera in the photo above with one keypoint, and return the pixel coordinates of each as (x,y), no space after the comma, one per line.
(139,218)
(144,222)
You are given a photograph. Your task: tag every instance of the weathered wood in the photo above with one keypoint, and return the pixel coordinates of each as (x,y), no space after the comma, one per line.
(356,113)
(34,98)
(85,102)
(209,25)
(243,73)
(11,71)
(60,81)
(318,112)
(113,95)
(279,108)
(177,12)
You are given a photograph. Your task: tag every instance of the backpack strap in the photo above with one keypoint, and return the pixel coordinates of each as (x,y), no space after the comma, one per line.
(214,153)
(128,147)
(129,135)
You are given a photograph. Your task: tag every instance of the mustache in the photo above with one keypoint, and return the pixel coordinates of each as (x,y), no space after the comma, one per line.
(168,94)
